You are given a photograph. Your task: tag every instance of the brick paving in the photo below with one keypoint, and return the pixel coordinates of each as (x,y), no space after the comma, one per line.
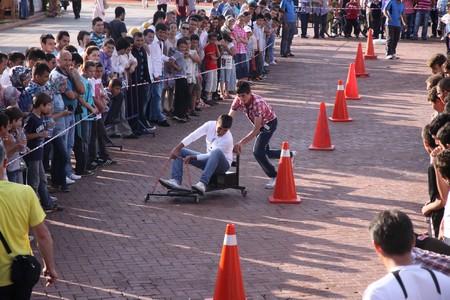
(109,244)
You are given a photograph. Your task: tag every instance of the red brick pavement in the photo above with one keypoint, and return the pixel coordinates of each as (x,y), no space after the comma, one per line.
(109,244)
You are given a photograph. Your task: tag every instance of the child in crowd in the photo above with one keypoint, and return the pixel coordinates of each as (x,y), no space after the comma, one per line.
(375,18)
(252,44)
(192,61)
(83,129)
(35,134)
(212,54)
(435,63)
(226,66)
(197,86)
(100,157)
(182,99)
(351,18)
(15,144)
(274,24)
(260,36)
(115,96)
(215,9)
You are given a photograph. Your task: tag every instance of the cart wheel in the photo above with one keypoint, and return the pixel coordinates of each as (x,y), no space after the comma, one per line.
(147,197)
(244,193)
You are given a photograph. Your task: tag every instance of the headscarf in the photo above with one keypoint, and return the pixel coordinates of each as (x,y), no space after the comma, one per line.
(56,82)
(18,75)
(9,96)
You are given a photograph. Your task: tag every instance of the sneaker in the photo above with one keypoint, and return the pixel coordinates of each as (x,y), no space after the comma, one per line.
(272,63)
(194,114)
(92,166)
(73,177)
(396,56)
(54,208)
(63,188)
(170,184)
(389,56)
(86,173)
(200,188)
(70,181)
(108,161)
(266,64)
(115,136)
(294,155)
(149,127)
(271,183)
(182,120)
(54,199)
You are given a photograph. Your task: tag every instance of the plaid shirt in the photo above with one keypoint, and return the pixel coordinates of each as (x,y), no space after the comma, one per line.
(257,108)
(241,48)
(431,260)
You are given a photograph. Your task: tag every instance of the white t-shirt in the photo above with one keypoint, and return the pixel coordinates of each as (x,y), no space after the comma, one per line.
(419,285)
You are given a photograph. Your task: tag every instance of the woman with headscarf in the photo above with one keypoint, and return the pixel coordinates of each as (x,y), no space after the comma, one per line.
(9,96)
(20,77)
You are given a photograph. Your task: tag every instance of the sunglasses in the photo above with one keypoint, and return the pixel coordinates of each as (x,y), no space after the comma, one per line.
(185,28)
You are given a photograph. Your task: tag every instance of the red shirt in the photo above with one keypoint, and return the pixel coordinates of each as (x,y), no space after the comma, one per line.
(210,57)
(352,9)
(181,7)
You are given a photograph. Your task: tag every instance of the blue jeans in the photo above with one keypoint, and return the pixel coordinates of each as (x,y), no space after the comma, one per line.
(70,140)
(81,149)
(270,48)
(262,151)
(241,66)
(304,17)
(286,38)
(37,179)
(421,18)
(215,164)
(410,18)
(155,102)
(14,176)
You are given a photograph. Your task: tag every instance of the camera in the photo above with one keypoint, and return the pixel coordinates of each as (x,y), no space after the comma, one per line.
(69,107)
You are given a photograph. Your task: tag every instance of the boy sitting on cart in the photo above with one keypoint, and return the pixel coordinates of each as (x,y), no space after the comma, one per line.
(216,160)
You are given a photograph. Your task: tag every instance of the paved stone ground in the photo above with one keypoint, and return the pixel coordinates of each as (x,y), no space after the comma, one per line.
(109,244)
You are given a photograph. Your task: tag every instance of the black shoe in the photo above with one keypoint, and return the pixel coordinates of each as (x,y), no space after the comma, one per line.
(153,122)
(305,36)
(284,55)
(194,114)
(137,133)
(163,123)
(108,161)
(63,188)
(290,54)
(54,208)
(181,120)
(92,166)
(131,136)
(86,173)
(114,136)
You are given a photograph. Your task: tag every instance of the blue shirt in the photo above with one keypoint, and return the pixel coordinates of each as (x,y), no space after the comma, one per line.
(289,13)
(394,9)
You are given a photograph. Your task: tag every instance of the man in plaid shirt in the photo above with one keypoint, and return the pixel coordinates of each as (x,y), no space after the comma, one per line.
(264,121)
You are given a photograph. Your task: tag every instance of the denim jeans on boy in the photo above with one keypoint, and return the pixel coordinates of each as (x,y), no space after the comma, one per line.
(270,47)
(421,18)
(155,92)
(241,66)
(215,164)
(70,140)
(286,38)
(37,179)
(59,160)
(262,151)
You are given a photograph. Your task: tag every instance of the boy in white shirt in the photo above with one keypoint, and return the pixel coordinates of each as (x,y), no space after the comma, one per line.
(216,160)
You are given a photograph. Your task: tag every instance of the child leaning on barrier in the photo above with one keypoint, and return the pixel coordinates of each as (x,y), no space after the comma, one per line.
(15,144)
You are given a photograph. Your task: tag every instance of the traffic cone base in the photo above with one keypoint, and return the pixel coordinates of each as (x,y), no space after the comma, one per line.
(370,57)
(273,200)
(285,191)
(340,120)
(351,88)
(322,139)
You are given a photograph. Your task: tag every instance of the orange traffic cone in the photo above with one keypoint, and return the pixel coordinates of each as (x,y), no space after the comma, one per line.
(370,53)
(340,112)
(285,191)
(351,88)
(229,284)
(359,63)
(322,140)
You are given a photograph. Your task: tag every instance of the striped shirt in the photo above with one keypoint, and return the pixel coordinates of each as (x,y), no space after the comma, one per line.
(423,5)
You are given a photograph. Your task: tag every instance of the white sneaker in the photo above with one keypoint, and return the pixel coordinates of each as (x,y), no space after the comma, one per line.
(294,155)
(74,176)
(266,64)
(273,63)
(70,181)
(54,199)
(170,184)
(389,56)
(271,184)
(396,56)
(200,188)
